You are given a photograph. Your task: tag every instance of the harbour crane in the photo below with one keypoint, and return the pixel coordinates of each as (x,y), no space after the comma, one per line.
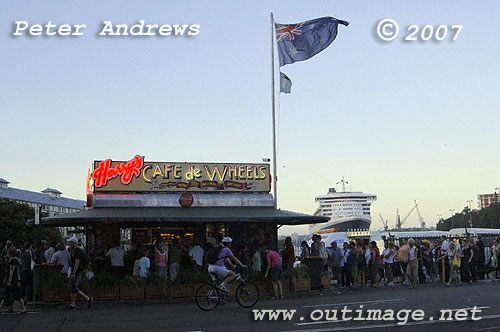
(422,222)
(384,222)
(399,222)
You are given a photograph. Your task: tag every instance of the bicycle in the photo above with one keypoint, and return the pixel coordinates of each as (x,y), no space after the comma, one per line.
(208,296)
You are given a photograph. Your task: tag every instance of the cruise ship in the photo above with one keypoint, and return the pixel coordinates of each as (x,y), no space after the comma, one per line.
(347,210)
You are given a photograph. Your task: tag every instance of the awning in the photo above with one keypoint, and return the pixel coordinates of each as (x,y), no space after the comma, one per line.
(162,215)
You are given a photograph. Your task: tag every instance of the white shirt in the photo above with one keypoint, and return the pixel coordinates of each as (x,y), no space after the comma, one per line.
(346,254)
(144,264)
(48,254)
(388,259)
(61,257)
(368,255)
(116,254)
(445,246)
(197,253)
(413,253)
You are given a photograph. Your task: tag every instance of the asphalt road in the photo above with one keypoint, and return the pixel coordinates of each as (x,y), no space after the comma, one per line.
(185,316)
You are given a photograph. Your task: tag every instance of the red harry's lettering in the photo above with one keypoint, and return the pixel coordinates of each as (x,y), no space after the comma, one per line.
(105,172)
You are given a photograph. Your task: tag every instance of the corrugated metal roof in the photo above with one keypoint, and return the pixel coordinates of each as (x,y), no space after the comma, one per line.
(163,215)
(39,198)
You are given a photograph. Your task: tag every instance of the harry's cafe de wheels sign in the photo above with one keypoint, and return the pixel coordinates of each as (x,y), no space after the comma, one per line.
(137,175)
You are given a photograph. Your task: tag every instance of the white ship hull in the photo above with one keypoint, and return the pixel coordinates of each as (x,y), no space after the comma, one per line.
(346,210)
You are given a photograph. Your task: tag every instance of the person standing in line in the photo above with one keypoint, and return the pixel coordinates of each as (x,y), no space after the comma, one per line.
(274,266)
(5,251)
(361,262)
(161,260)
(426,254)
(353,264)
(197,253)
(480,258)
(467,252)
(454,260)
(175,255)
(336,258)
(495,257)
(306,252)
(39,252)
(403,260)
(412,267)
(288,255)
(12,283)
(315,246)
(474,260)
(368,262)
(144,265)
(388,260)
(345,273)
(375,263)
(77,261)
(26,272)
(50,251)
(445,248)
(116,254)
(61,256)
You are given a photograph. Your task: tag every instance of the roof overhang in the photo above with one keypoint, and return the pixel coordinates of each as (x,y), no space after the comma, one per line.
(164,215)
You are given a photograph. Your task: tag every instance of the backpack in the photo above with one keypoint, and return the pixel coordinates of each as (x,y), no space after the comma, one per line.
(213,255)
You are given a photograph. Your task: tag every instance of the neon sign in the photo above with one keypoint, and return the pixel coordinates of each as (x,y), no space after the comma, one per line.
(105,172)
(138,175)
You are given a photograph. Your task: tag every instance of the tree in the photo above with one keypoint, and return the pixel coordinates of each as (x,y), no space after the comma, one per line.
(484,218)
(13,217)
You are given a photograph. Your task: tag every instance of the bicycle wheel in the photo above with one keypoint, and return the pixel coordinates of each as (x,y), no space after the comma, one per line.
(247,294)
(207,297)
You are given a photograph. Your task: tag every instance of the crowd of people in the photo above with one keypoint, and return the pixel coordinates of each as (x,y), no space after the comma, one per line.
(412,262)
(353,264)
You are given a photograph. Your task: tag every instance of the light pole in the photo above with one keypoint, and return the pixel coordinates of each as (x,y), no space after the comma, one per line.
(452,213)
(470,212)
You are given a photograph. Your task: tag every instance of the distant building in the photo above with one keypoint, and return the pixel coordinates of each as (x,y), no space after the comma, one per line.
(49,200)
(485,200)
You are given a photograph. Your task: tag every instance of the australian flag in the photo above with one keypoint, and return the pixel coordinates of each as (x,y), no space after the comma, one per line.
(299,42)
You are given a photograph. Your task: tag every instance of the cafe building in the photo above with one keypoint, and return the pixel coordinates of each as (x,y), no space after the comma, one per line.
(140,203)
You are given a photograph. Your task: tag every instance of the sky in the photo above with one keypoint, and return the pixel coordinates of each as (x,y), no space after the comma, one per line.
(405,120)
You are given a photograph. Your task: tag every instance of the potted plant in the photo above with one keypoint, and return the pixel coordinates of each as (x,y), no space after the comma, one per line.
(183,284)
(55,288)
(103,287)
(131,288)
(300,279)
(157,287)
(325,279)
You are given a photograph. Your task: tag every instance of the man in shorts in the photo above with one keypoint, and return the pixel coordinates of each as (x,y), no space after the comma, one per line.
(219,268)
(276,268)
(77,269)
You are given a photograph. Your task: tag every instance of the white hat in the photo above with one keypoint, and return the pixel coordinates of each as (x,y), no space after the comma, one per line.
(73,239)
(227,240)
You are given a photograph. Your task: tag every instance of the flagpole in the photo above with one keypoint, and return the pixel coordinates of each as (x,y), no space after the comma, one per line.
(273,92)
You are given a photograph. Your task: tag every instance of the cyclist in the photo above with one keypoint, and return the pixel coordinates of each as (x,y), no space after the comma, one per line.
(219,268)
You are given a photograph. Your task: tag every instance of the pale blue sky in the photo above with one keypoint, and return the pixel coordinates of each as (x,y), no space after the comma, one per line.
(403,120)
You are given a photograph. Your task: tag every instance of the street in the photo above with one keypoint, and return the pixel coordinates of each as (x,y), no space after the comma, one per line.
(481,302)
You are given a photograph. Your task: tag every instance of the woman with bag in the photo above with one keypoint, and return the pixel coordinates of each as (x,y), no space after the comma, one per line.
(12,283)
(495,250)
(454,260)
